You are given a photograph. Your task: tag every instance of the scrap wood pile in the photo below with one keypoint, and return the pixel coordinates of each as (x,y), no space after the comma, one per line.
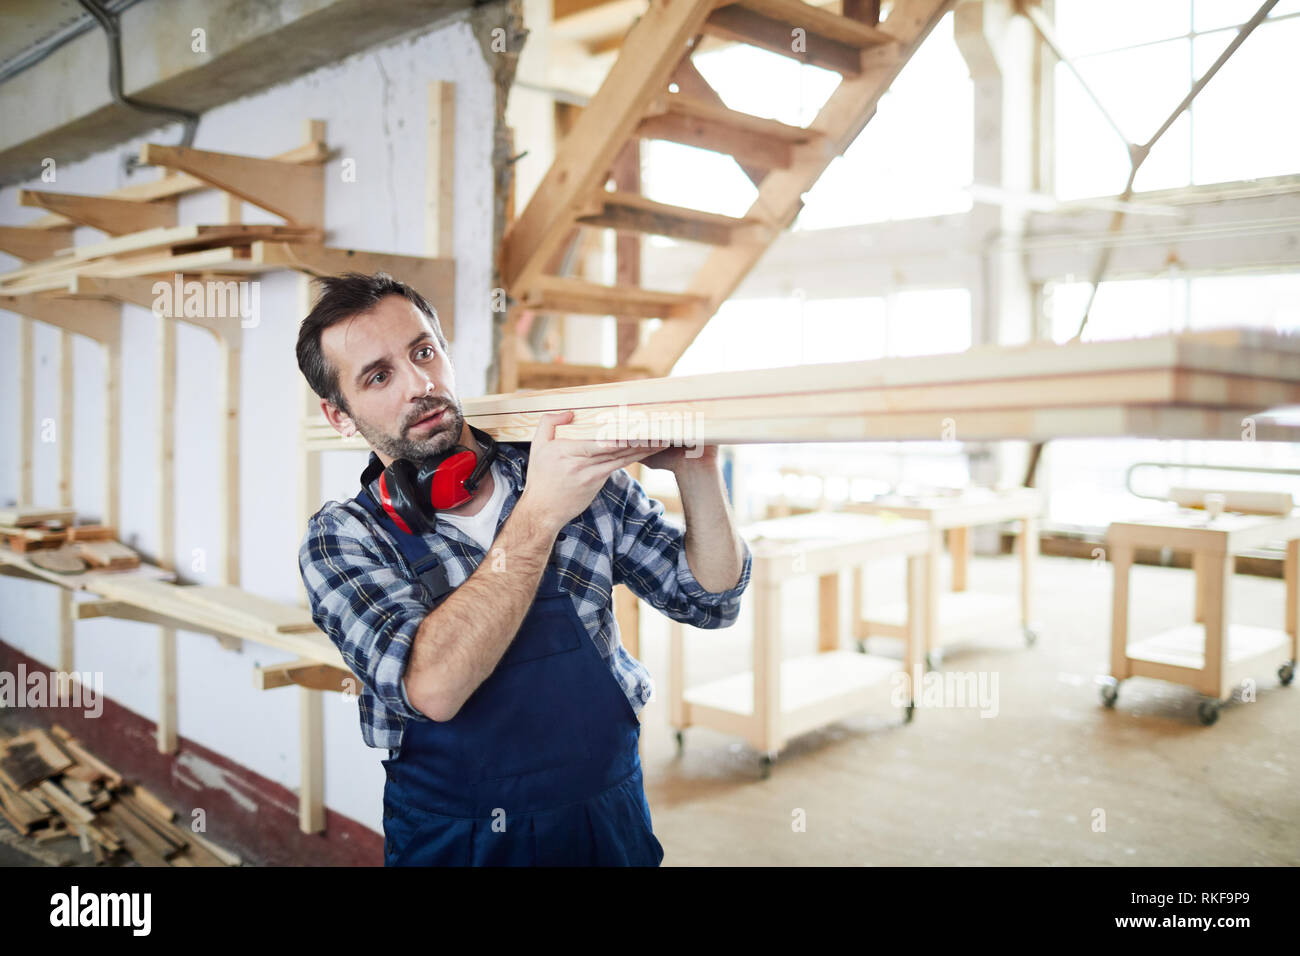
(52,787)
(50,538)
(148,252)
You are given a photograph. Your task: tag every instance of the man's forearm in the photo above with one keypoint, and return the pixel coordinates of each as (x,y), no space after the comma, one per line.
(460,641)
(714,549)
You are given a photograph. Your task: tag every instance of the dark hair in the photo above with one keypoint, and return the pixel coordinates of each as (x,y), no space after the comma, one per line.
(342,297)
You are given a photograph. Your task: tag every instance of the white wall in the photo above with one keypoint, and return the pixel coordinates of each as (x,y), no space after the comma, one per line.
(374,105)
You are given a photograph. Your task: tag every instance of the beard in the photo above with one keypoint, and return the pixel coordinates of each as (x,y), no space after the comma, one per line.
(445,435)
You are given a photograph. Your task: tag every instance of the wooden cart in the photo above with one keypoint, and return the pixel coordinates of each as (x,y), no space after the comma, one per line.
(959,613)
(780,699)
(1211,657)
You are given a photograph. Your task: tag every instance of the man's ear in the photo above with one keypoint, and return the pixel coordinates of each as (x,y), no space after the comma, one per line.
(340,420)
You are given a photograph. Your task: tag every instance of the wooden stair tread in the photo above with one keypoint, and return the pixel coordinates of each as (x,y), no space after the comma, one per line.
(634,212)
(816,20)
(837,43)
(763,142)
(559,294)
(689,107)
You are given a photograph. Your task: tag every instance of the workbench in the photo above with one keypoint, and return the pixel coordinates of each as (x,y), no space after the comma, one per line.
(1211,657)
(781,698)
(958,613)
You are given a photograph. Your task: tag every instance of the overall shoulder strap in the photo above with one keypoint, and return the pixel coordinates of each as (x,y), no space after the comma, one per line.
(414,549)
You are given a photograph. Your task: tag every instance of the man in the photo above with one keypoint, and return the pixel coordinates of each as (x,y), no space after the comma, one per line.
(485,639)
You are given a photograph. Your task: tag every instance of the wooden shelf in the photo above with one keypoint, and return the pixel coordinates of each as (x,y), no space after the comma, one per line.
(217,610)
(18,565)
(147,594)
(1178,653)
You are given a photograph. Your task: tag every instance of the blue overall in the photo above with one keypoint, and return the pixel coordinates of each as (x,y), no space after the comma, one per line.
(538,767)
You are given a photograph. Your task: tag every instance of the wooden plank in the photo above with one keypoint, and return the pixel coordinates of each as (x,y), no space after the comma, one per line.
(150,802)
(68,808)
(26,408)
(256,611)
(828,612)
(113,216)
(165,600)
(311,750)
(959,546)
(183,237)
(25,516)
(1116,421)
(85,758)
(440,171)
(1121,559)
(1229,371)
(108,555)
(143,851)
(767,658)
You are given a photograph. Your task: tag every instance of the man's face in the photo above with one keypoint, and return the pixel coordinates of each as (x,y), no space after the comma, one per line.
(397,381)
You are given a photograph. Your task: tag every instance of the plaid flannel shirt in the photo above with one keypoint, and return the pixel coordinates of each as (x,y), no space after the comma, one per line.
(370,602)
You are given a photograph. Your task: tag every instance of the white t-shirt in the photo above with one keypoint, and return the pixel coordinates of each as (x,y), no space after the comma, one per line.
(482,527)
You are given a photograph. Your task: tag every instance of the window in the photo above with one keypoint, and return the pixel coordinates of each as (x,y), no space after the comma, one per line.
(1141,59)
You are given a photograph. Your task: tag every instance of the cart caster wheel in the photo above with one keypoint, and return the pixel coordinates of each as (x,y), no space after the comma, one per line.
(1207,712)
(1286,673)
(1109,694)
(861,646)
(681,741)
(765,762)
(1031,637)
(908,713)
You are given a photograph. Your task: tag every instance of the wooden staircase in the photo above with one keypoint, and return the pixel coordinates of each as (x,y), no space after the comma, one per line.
(653,91)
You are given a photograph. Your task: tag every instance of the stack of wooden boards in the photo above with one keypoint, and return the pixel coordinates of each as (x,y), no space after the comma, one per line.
(50,539)
(162,250)
(1202,385)
(51,787)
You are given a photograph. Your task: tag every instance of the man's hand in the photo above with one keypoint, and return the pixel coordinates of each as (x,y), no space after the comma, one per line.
(565,475)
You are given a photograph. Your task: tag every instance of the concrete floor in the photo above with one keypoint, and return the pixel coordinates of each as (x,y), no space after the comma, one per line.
(1020,788)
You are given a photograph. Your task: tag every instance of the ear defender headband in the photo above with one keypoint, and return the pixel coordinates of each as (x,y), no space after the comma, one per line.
(412,493)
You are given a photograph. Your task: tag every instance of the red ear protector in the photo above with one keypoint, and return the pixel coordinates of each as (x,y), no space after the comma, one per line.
(412,493)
